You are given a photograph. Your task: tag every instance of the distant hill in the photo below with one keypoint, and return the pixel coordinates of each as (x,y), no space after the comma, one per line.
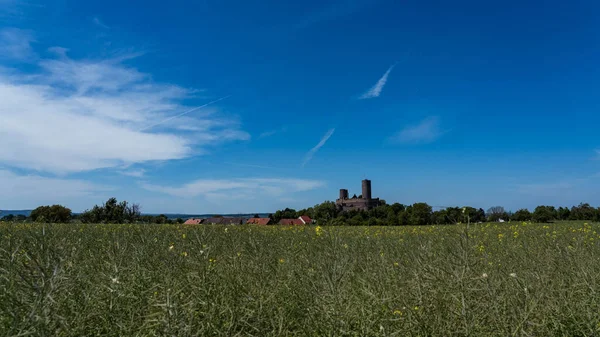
(27,212)
(24,212)
(204,216)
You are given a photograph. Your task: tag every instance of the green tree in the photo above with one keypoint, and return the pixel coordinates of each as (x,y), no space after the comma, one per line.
(325,212)
(9,217)
(420,214)
(287,213)
(53,214)
(440,217)
(564,213)
(391,218)
(521,215)
(543,214)
(496,213)
(582,212)
(112,211)
(397,208)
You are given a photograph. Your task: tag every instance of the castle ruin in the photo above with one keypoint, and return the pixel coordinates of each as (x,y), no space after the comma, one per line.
(362,203)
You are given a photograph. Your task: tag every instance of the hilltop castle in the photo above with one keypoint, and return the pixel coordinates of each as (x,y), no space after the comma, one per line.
(363,203)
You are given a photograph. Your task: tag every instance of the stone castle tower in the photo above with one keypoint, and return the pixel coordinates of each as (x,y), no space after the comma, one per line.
(364,203)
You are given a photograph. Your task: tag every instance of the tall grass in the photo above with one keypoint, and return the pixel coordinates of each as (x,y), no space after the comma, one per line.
(176,280)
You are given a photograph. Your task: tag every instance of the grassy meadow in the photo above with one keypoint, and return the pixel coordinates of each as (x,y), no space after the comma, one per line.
(500,279)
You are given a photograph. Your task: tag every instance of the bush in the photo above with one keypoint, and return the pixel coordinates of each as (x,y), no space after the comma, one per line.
(112,212)
(521,215)
(54,213)
(543,214)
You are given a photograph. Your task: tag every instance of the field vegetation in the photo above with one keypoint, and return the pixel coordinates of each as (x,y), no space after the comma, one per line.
(488,279)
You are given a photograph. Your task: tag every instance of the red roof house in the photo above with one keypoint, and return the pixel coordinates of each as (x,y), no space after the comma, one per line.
(258,221)
(305,219)
(193,221)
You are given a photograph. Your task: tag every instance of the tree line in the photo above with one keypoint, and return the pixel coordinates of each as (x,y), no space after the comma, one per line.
(327,213)
(421,213)
(112,211)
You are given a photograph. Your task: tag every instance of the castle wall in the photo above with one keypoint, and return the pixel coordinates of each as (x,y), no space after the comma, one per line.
(365,203)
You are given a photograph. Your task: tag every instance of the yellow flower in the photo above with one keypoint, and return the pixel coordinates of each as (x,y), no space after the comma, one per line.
(171,247)
(318,231)
(416,308)
(183,236)
(184,254)
(281,260)
(396,264)
(397,312)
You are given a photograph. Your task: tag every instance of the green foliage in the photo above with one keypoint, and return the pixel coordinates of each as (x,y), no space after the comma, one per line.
(112,211)
(9,217)
(287,213)
(544,214)
(583,212)
(521,215)
(419,214)
(563,213)
(176,280)
(53,214)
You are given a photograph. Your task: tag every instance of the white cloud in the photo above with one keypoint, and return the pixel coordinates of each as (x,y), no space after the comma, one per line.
(30,191)
(272,132)
(314,150)
(546,189)
(375,91)
(134,173)
(427,131)
(81,115)
(99,23)
(16,44)
(235,188)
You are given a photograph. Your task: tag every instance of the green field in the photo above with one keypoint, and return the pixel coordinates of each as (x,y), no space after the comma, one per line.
(156,280)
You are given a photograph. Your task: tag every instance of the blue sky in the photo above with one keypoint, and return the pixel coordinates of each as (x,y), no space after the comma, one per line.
(451,103)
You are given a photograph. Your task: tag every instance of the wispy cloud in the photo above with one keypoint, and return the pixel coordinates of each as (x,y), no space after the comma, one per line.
(546,189)
(314,150)
(99,23)
(376,90)
(80,115)
(427,131)
(15,44)
(15,9)
(272,132)
(232,188)
(30,191)
(140,173)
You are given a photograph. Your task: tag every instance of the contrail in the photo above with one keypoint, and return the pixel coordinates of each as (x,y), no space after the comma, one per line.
(314,150)
(375,91)
(186,112)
